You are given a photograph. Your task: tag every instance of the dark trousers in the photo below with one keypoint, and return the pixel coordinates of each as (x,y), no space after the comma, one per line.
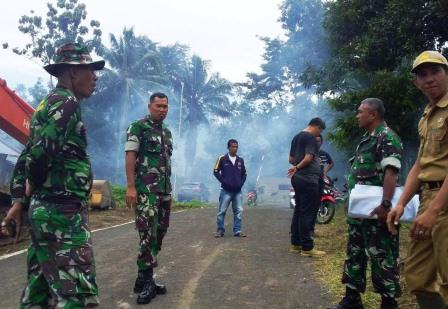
(303,219)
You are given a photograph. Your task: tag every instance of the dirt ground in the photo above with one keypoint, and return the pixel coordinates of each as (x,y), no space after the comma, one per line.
(200,271)
(98,219)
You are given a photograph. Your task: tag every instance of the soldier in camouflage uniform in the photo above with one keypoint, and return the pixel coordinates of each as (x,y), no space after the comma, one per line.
(54,172)
(149,148)
(376,162)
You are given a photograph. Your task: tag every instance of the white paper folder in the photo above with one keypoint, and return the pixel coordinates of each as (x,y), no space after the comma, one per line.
(364,199)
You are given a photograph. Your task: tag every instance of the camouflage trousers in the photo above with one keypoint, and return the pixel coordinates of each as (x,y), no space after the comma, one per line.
(61,269)
(371,239)
(152,218)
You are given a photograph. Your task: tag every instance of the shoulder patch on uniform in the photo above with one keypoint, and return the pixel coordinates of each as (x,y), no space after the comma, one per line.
(41,105)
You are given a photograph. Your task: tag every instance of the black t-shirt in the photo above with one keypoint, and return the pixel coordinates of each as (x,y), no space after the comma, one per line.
(302,144)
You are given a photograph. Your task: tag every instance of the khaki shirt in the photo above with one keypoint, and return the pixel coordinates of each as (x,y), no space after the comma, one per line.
(433,151)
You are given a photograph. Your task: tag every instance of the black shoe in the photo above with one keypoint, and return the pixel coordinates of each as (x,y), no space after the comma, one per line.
(219,234)
(349,303)
(388,303)
(139,282)
(160,288)
(148,292)
(239,234)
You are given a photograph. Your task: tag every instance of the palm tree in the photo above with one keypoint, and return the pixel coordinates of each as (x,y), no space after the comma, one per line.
(134,69)
(204,96)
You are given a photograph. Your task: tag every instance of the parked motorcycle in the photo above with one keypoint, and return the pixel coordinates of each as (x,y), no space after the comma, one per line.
(252,198)
(292,198)
(330,195)
(327,208)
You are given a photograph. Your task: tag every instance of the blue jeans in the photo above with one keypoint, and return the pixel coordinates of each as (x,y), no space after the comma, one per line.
(225,198)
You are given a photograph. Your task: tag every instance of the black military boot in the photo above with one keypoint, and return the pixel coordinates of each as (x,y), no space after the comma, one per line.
(144,285)
(351,300)
(139,282)
(388,303)
(148,292)
(160,288)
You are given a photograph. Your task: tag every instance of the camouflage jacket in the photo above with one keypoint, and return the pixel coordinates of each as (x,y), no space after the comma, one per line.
(55,159)
(374,153)
(153,144)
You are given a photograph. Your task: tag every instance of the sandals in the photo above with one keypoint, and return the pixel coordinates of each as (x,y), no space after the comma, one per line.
(219,234)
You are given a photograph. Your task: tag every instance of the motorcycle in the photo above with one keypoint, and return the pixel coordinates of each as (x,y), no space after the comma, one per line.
(292,198)
(252,198)
(329,198)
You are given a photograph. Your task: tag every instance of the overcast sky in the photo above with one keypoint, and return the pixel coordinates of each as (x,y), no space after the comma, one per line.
(223,31)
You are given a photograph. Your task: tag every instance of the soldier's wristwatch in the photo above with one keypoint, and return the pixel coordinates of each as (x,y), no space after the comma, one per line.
(386,204)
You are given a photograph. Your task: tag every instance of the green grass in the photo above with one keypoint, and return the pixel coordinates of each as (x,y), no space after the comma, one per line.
(332,238)
(190,205)
(119,193)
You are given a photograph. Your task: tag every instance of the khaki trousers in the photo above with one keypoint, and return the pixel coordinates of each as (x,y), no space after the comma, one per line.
(426,266)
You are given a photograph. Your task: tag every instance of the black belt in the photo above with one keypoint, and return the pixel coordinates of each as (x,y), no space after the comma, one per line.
(430,185)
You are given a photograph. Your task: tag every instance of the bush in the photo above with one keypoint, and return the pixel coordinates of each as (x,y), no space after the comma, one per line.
(119,194)
(190,205)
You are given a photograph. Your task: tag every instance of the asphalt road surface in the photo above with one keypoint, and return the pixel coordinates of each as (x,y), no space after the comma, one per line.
(200,271)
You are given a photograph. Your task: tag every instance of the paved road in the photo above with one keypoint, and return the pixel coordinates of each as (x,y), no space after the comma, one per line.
(199,270)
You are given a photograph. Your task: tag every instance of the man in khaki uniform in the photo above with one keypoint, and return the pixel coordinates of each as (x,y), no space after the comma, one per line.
(426,266)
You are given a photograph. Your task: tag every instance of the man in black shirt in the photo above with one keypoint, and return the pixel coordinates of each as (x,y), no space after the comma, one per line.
(305,173)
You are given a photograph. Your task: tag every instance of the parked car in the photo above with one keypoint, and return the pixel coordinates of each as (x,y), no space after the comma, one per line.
(193,191)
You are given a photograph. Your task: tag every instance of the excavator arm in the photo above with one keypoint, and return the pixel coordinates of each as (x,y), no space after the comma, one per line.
(15,117)
(15,114)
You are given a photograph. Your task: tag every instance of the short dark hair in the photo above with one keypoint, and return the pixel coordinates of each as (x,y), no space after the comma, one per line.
(317,122)
(376,105)
(159,95)
(231,141)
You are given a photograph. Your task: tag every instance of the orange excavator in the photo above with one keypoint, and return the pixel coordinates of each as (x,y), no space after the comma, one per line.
(15,114)
(15,117)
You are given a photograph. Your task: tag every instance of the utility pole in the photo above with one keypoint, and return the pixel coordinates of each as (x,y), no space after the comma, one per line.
(179,131)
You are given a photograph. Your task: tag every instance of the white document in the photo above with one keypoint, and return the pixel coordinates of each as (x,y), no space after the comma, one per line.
(364,199)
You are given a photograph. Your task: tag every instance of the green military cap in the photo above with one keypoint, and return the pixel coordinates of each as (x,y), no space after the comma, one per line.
(74,54)
(429,56)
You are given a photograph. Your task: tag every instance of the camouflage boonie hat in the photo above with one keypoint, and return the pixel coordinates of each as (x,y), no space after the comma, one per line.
(74,54)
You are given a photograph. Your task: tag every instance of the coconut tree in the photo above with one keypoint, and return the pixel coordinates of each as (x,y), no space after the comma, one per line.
(205,97)
(133,70)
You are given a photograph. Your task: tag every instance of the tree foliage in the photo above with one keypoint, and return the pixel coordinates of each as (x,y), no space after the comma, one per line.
(205,96)
(64,22)
(285,58)
(372,44)
(133,71)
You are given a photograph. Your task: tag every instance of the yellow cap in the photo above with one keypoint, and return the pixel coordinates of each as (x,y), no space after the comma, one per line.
(429,56)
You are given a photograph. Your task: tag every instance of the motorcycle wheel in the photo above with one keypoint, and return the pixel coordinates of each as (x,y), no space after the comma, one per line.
(325,213)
